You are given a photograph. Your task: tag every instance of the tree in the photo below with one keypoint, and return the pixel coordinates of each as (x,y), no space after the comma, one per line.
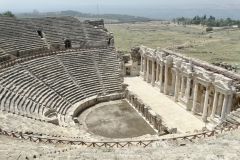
(211,18)
(7,14)
(205,17)
(209,29)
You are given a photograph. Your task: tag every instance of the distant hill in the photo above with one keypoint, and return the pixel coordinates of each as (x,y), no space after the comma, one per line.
(109,17)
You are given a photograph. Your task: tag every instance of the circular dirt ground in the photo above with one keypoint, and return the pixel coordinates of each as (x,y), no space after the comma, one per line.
(117,119)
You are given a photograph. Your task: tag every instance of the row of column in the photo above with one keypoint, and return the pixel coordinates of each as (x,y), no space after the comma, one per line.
(226,105)
(145,111)
(217,102)
(186,80)
(162,69)
(159,75)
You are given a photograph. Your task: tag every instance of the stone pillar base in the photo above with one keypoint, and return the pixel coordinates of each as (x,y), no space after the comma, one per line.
(157,84)
(186,103)
(175,98)
(161,88)
(215,120)
(204,119)
(194,112)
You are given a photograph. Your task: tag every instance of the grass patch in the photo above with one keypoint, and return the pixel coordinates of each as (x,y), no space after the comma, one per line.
(224,45)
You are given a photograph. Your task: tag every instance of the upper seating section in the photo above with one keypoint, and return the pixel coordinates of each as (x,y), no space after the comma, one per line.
(26,36)
(16,37)
(60,29)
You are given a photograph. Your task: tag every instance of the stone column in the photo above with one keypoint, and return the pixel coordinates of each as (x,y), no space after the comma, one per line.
(188,88)
(126,93)
(141,63)
(161,76)
(219,105)
(182,85)
(214,104)
(144,68)
(195,98)
(224,106)
(142,109)
(205,107)
(145,111)
(157,73)
(173,82)
(147,70)
(160,127)
(229,104)
(132,97)
(153,72)
(166,80)
(135,102)
(176,87)
(154,121)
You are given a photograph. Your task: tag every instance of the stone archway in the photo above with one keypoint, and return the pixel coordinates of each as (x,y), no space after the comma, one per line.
(68,43)
(128,71)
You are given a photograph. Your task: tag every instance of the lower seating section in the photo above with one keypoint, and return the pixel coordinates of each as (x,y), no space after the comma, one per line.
(21,85)
(16,124)
(233,117)
(222,146)
(12,148)
(49,86)
(51,73)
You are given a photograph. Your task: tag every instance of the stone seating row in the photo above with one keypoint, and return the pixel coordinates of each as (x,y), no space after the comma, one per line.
(17,124)
(82,68)
(108,69)
(52,74)
(12,148)
(22,35)
(34,87)
(58,27)
(223,146)
(18,37)
(22,82)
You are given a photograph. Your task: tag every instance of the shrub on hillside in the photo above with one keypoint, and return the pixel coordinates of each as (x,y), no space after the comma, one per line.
(209,29)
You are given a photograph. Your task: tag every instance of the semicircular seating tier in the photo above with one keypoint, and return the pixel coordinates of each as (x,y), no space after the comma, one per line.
(46,88)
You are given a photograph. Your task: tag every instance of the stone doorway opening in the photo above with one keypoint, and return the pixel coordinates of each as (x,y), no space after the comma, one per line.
(128,71)
(68,44)
(40,34)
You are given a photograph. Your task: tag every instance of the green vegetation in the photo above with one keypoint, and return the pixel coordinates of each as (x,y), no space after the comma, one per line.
(7,14)
(221,45)
(209,29)
(210,22)
(118,17)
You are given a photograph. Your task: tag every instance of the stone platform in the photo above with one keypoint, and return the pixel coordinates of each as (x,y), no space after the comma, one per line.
(173,115)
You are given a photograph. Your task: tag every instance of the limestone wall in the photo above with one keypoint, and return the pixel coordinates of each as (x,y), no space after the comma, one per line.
(145,110)
(82,105)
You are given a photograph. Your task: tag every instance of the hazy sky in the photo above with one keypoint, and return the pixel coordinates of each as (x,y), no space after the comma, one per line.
(22,3)
(54,5)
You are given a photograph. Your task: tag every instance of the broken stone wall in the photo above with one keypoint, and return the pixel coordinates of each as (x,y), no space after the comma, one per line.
(135,54)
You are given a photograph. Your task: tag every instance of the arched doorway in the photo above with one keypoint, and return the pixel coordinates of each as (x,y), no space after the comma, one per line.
(128,71)
(68,44)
